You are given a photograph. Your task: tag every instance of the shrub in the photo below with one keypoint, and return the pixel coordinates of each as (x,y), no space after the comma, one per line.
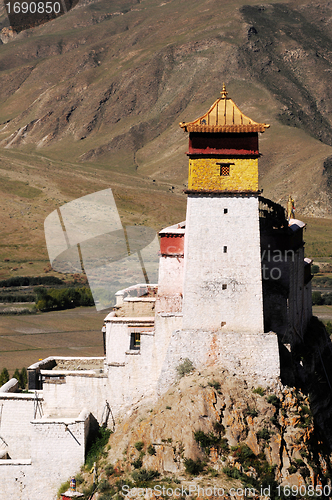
(216,385)
(107,496)
(4,376)
(109,470)
(218,427)
(144,475)
(259,390)
(317,298)
(292,469)
(243,454)
(232,472)
(252,412)
(185,367)
(263,434)
(328,327)
(139,445)
(103,485)
(193,467)
(151,450)
(206,441)
(314,269)
(137,463)
(273,400)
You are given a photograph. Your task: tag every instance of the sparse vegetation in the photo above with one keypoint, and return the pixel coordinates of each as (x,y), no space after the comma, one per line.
(64,487)
(273,400)
(263,434)
(252,412)
(139,445)
(194,467)
(185,367)
(215,385)
(4,376)
(151,450)
(142,476)
(97,442)
(207,441)
(67,298)
(259,390)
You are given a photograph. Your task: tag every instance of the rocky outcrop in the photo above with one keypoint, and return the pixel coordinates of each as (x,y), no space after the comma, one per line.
(217,427)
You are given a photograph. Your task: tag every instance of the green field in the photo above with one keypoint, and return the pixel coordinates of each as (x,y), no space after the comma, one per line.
(26,339)
(324,313)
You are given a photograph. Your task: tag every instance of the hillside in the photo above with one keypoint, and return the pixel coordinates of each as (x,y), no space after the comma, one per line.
(93,100)
(213,430)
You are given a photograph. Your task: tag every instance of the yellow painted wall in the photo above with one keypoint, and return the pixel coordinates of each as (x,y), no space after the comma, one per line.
(204,174)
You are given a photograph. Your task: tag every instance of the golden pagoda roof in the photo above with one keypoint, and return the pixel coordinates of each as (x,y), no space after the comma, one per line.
(224,116)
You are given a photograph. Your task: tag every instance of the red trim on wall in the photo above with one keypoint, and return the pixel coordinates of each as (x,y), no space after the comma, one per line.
(172,244)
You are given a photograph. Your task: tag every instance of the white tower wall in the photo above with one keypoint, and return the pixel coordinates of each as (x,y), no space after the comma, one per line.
(222,273)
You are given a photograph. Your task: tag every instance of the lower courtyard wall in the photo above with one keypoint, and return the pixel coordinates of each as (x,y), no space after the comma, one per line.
(57,451)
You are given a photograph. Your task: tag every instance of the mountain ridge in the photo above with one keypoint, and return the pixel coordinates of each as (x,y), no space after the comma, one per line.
(99,93)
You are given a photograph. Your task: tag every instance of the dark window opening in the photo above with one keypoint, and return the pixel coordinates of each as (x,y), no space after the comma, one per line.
(135,341)
(224,287)
(225,210)
(225,168)
(225,249)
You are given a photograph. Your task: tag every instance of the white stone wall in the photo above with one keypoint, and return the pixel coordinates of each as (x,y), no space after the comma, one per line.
(207,267)
(16,413)
(15,479)
(255,357)
(133,375)
(170,290)
(77,392)
(57,452)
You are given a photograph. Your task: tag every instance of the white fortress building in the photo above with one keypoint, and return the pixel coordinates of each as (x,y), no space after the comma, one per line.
(234,292)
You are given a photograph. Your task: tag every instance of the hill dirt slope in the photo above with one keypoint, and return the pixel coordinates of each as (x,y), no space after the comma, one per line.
(93,100)
(214,431)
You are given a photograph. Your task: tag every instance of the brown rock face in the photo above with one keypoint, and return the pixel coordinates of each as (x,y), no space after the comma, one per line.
(235,432)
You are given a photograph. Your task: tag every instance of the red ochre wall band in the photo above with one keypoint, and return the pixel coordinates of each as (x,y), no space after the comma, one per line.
(172,245)
(218,143)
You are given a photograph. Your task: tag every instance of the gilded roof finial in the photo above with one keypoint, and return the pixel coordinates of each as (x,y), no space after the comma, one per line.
(224,92)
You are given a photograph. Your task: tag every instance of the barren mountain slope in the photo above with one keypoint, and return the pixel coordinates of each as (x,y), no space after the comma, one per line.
(93,100)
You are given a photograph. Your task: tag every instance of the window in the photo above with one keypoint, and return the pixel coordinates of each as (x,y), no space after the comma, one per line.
(225,168)
(135,341)
(225,249)
(224,287)
(225,210)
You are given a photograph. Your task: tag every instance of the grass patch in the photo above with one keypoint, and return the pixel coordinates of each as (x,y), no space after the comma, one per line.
(259,390)
(96,446)
(18,188)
